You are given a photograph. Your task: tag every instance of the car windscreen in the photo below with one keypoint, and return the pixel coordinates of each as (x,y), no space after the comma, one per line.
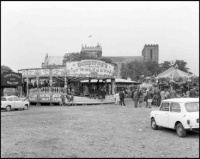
(3,99)
(192,107)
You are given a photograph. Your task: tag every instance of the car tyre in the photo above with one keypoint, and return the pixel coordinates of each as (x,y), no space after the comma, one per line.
(25,107)
(181,132)
(8,108)
(153,124)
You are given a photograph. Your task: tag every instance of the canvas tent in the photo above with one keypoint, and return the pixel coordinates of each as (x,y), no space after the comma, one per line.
(174,72)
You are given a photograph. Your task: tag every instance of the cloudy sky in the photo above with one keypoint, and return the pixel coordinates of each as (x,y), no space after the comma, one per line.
(29,30)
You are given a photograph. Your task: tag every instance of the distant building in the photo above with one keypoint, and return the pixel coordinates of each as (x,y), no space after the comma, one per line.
(151,53)
(119,60)
(95,52)
(52,61)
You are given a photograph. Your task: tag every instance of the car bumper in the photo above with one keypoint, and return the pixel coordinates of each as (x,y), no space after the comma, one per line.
(192,128)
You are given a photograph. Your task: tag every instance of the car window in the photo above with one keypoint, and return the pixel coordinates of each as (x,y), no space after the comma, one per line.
(10,98)
(175,107)
(192,107)
(16,98)
(3,99)
(164,106)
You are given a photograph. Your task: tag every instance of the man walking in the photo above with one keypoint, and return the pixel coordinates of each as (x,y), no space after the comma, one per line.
(136,98)
(149,97)
(122,96)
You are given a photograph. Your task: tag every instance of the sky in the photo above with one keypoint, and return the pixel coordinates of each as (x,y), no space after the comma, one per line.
(31,29)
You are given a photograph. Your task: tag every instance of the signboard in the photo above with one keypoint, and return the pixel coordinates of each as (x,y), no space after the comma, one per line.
(89,68)
(32,73)
(57,72)
(24,73)
(11,79)
(44,72)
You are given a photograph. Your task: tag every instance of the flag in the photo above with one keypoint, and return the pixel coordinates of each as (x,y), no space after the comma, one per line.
(89,36)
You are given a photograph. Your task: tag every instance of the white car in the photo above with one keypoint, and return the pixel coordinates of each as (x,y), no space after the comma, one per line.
(13,102)
(181,114)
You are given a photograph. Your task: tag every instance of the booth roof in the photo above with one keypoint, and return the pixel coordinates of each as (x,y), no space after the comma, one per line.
(175,72)
(117,80)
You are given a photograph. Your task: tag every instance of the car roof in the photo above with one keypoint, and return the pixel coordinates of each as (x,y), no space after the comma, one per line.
(182,100)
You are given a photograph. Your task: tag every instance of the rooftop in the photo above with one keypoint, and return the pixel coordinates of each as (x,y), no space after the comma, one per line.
(124,58)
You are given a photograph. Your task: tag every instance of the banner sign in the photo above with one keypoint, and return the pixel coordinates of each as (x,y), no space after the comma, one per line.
(57,72)
(11,79)
(44,72)
(89,68)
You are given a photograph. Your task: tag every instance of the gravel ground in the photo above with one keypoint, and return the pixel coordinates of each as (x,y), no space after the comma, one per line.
(90,131)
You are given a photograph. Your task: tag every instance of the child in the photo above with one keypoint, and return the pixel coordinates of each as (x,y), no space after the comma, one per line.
(117,98)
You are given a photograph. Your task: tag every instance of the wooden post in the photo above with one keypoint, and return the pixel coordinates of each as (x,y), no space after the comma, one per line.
(27,86)
(113,86)
(65,84)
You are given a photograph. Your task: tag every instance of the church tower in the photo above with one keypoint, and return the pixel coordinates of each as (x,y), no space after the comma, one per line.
(151,53)
(91,51)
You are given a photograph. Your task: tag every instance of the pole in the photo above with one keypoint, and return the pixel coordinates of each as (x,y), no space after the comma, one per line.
(113,86)
(27,86)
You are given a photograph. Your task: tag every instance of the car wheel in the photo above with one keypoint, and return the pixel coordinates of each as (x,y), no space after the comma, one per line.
(8,108)
(181,132)
(153,124)
(25,107)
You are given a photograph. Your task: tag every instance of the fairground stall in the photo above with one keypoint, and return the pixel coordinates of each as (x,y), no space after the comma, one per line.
(11,83)
(176,79)
(48,85)
(120,84)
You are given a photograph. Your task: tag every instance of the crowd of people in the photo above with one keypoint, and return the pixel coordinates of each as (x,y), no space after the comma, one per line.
(147,97)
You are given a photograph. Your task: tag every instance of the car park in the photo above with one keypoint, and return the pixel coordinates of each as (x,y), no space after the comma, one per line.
(13,102)
(181,114)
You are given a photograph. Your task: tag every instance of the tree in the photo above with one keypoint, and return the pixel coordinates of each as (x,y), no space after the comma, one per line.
(164,66)
(180,63)
(107,60)
(6,69)
(152,68)
(135,70)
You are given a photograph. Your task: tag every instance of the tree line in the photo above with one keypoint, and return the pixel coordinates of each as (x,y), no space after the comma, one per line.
(137,70)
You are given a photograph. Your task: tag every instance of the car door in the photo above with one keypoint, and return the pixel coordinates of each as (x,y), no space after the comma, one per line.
(174,114)
(162,116)
(18,102)
(11,102)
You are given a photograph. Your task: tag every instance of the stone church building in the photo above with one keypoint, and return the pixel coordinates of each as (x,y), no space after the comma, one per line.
(149,53)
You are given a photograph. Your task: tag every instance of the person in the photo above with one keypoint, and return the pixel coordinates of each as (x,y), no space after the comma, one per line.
(117,98)
(149,97)
(162,95)
(122,96)
(192,93)
(172,93)
(70,97)
(157,96)
(197,93)
(145,96)
(103,93)
(62,100)
(187,94)
(132,96)
(35,84)
(135,97)
(167,94)
(140,96)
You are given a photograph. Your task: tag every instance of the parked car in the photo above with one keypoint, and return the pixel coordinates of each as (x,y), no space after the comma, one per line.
(181,114)
(13,102)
